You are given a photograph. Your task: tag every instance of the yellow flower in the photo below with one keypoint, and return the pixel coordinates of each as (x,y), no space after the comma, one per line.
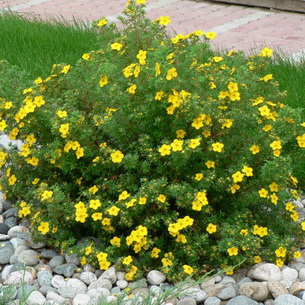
(198,177)
(142,57)
(3,125)
(210,164)
(276,145)
(180,133)
(79,152)
(46,195)
(188,269)
(86,56)
(217,146)
(93,189)
(167,262)
(274,187)
(211,228)
(165,150)
(161,198)
(117,156)
(261,231)
(116,241)
(238,177)
(116,46)
(140,1)
(210,35)
(177,145)
(132,89)
(102,22)
(274,198)
(194,143)
(12,180)
(127,260)
(244,232)
(181,238)
(44,228)
(94,204)
(297,254)
(280,252)
(171,73)
(232,251)
(257,259)
(114,211)
(163,20)
(97,216)
(266,52)
(88,250)
(279,262)
(142,200)
(103,81)
(155,253)
(64,130)
(124,195)
(254,149)
(267,127)
(266,77)
(61,114)
(263,193)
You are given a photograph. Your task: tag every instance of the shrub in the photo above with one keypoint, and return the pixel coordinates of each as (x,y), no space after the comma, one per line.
(169,155)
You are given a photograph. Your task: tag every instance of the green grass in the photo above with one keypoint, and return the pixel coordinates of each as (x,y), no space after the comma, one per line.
(36,45)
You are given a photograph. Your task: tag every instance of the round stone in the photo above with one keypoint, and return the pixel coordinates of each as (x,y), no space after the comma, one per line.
(81,299)
(28,257)
(6,251)
(4,228)
(44,278)
(155,277)
(56,261)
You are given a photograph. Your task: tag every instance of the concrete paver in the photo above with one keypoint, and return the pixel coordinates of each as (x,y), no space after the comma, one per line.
(238,27)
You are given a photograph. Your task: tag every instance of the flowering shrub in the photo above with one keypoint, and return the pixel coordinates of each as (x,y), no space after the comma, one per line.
(174,157)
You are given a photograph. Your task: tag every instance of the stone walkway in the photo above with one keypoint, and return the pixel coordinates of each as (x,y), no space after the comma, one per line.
(238,27)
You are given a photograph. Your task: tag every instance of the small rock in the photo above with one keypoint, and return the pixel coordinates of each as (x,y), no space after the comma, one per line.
(226,280)
(212,301)
(208,282)
(81,299)
(55,297)
(187,301)
(290,275)
(19,231)
(11,222)
(88,277)
(36,245)
(56,261)
(58,281)
(16,241)
(242,300)
(95,293)
(267,272)
(72,259)
(244,280)
(4,237)
(45,289)
(110,274)
(44,278)
(10,212)
(115,290)
(212,291)
(36,298)
(155,277)
(3,227)
(100,283)
(286,299)
(122,284)
(16,277)
(28,257)
(195,293)
(227,292)
(254,290)
(156,290)
(276,288)
(6,251)
(66,270)
(301,275)
(25,290)
(48,254)
(297,287)
(111,299)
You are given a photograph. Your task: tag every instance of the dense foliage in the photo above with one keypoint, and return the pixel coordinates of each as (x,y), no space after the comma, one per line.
(166,154)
